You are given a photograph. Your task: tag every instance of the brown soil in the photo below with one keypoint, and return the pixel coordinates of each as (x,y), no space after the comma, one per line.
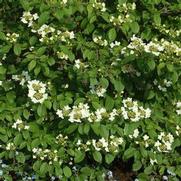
(122,171)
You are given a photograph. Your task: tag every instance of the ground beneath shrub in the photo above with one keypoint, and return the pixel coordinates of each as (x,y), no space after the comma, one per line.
(122,171)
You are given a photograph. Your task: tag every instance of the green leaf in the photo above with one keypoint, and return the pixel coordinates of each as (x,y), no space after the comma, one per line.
(97,156)
(135,27)
(31,65)
(86,128)
(2,36)
(137,165)
(109,104)
(17,49)
(18,139)
(87,171)
(157,19)
(44,18)
(96,128)
(118,85)
(20,157)
(2,70)
(44,168)
(112,34)
(148,170)
(71,128)
(150,95)
(36,165)
(109,158)
(26,113)
(41,110)
(67,172)
(79,156)
(104,131)
(151,64)
(128,153)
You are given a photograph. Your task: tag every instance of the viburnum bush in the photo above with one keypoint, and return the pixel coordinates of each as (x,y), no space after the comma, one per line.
(86,84)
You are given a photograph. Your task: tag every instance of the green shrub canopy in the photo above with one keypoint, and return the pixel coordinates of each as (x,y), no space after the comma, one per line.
(88,84)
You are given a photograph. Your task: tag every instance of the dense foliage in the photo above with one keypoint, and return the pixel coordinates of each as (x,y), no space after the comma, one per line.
(85,83)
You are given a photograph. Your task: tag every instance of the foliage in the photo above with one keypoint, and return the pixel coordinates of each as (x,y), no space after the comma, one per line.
(85,83)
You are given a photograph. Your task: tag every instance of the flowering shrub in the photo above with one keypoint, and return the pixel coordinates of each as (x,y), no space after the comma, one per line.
(85,84)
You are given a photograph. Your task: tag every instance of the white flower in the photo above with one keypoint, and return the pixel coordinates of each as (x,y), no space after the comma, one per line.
(12,38)
(135,133)
(153,161)
(113,44)
(145,137)
(113,114)
(178,104)
(99,114)
(45,29)
(20,125)
(35,16)
(60,114)
(178,112)
(100,92)
(37,91)
(94,143)
(77,64)
(10,146)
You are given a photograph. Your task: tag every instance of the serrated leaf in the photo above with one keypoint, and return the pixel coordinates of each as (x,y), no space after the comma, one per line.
(17,49)
(137,165)
(109,158)
(97,156)
(79,156)
(67,172)
(31,65)
(112,34)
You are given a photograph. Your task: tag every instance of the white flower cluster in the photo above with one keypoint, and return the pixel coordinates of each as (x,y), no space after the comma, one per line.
(44,30)
(135,134)
(37,91)
(164,85)
(130,110)
(125,7)
(114,44)
(83,146)
(62,140)
(99,40)
(178,130)
(10,146)
(20,125)
(99,91)
(62,55)
(64,2)
(79,64)
(124,14)
(171,32)
(117,21)
(153,161)
(111,145)
(178,107)
(63,36)
(164,142)
(82,112)
(28,18)
(23,78)
(48,34)
(99,6)
(46,155)
(154,47)
(12,38)
(146,139)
